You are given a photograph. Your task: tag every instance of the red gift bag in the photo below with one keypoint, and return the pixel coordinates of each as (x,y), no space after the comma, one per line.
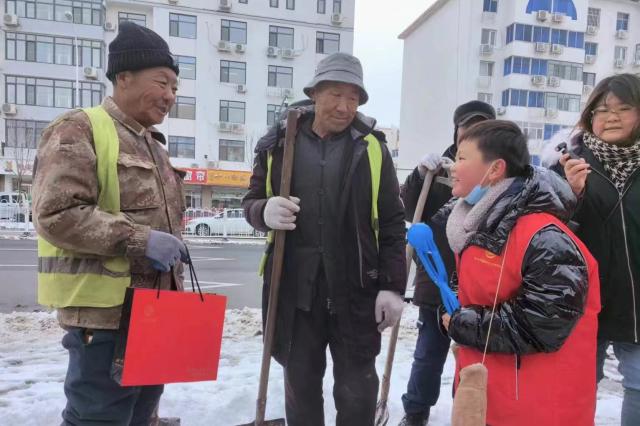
(169,337)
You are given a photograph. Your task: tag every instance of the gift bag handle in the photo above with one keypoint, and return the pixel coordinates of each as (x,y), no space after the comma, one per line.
(192,274)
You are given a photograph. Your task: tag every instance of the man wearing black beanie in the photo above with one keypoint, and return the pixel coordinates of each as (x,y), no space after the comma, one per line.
(432,346)
(112,149)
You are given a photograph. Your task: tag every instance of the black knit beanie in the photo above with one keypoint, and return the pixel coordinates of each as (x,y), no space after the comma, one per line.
(465,112)
(136,48)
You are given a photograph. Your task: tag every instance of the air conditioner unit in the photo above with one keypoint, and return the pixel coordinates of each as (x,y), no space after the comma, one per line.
(538,80)
(619,63)
(557,49)
(9,109)
(11,20)
(586,89)
(589,59)
(241,88)
(542,15)
(237,128)
(622,34)
(592,30)
(287,93)
(109,26)
(541,47)
(224,5)
(553,81)
(501,110)
(336,19)
(288,53)
(272,51)
(486,49)
(551,112)
(224,46)
(91,73)
(558,18)
(225,126)
(240,48)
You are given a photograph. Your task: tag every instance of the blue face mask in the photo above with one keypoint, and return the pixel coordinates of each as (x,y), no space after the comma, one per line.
(478,191)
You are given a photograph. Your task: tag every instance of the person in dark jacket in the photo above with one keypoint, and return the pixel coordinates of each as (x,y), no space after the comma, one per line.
(604,174)
(341,286)
(432,346)
(528,287)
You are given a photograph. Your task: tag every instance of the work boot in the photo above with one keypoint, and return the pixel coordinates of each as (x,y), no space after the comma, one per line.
(419,419)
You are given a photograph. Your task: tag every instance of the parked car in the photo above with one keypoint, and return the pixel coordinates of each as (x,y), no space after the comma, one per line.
(11,204)
(229,222)
(196,213)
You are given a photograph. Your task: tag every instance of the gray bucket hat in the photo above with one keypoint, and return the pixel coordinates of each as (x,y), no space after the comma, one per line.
(340,67)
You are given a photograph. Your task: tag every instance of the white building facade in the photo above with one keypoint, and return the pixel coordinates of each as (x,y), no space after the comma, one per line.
(240,61)
(535,61)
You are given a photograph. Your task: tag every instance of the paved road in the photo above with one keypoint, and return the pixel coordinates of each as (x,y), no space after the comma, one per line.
(228,269)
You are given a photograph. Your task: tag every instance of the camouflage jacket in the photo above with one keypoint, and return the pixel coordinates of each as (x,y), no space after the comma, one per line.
(65,198)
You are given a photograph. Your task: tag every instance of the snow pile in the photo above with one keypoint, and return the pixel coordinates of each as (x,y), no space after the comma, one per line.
(33,365)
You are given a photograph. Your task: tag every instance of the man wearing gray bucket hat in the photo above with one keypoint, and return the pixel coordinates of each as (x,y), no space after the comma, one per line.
(344,270)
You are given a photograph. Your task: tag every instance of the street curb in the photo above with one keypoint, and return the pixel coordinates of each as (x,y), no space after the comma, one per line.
(17,236)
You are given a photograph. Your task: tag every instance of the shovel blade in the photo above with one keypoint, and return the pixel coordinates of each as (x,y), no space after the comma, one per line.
(274,422)
(382,414)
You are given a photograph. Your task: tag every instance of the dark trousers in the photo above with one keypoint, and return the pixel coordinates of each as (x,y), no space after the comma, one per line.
(356,382)
(93,397)
(429,357)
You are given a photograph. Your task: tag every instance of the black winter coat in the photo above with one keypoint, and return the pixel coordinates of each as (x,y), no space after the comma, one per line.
(425,292)
(359,270)
(554,273)
(609,225)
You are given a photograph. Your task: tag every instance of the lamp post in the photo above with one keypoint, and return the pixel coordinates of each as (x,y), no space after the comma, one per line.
(69,17)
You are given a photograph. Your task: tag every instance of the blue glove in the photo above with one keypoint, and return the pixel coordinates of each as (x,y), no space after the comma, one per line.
(164,250)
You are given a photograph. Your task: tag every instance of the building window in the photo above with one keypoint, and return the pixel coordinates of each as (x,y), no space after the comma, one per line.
(273,112)
(182,25)
(187,66)
(233,72)
(523,98)
(87,12)
(182,147)
(337,6)
(518,97)
(622,23)
(486,69)
(559,37)
(533,131)
(591,48)
(291,4)
(231,150)
(273,3)
(232,111)
(185,107)
(563,102)
(234,31)
(490,6)
(136,18)
(52,50)
(322,6)
(521,65)
(565,70)
(280,77)
(243,1)
(589,79)
(327,43)
(620,53)
(541,34)
(593,17)
(637,55)
(488,37)
(486,98)
(281,37)
(24,133)
(51,93)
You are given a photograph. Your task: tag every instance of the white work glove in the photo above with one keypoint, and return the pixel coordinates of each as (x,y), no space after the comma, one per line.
(389,306)
(430,162)
(279,213)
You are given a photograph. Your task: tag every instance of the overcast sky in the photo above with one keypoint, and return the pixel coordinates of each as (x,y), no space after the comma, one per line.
(377,26)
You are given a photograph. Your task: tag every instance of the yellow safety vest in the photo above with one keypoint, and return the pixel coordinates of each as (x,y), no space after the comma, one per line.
(67,278)
(374,152)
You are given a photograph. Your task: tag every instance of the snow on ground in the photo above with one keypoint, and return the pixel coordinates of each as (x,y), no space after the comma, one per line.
(33,365)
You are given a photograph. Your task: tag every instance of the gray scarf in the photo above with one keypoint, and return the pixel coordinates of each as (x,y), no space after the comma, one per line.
(619,161)
(465,219)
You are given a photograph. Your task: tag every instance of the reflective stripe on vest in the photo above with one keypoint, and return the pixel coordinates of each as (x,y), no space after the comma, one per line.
(67,278)
(374,152)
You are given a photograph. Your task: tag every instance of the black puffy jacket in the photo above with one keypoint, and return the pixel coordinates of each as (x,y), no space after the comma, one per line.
(554,288)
